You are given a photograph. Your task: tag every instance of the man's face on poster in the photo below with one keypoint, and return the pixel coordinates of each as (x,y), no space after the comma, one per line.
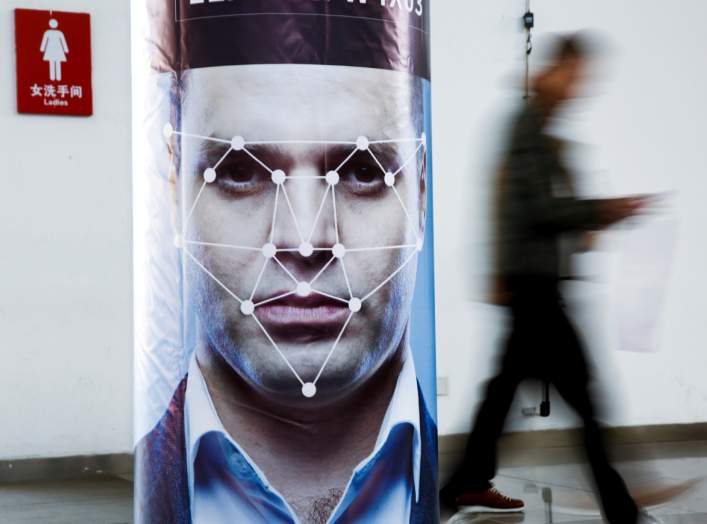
(301,121)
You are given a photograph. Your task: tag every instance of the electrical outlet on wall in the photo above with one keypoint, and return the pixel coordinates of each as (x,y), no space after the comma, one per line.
(442,386)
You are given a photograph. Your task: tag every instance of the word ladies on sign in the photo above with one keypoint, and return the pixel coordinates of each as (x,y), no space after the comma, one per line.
(55,102)
(411,6)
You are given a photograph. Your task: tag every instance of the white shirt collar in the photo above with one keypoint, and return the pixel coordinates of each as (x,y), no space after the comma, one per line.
(200,418)
(404,408)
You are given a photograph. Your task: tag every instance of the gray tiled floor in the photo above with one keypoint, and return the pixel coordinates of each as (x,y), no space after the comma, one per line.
(109,501)
(67,502)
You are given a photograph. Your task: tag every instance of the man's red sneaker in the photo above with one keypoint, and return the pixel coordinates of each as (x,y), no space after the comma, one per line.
(489,501)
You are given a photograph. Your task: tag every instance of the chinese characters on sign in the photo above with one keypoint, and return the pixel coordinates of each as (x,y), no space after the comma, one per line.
(56,95)
(53,62)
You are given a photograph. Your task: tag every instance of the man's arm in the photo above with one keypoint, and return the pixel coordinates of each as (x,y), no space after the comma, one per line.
(553,214)
(538,206)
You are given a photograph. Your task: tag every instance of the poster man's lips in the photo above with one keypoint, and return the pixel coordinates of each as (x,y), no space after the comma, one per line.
(296,317)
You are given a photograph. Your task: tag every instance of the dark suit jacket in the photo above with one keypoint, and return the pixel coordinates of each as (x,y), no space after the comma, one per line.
(537,204)
(162,493)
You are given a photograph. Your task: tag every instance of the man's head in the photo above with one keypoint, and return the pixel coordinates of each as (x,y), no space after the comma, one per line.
(562,79)
(273,262)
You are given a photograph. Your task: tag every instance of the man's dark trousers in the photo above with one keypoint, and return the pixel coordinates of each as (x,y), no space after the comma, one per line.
(542,344)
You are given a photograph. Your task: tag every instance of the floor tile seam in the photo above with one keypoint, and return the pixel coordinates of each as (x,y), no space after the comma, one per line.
(549,484)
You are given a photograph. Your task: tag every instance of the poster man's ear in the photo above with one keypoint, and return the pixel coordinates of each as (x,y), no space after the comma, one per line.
(173,144)
(172,181)
(423,191)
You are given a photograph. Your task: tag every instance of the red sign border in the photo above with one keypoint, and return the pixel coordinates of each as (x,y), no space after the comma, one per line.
(85,112)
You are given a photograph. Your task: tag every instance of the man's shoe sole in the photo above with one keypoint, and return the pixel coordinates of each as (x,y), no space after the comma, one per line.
(488,509)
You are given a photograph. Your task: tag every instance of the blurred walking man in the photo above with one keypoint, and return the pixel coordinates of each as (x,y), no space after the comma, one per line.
(537,208)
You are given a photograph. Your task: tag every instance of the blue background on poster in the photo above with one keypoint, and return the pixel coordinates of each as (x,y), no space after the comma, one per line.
(422,336)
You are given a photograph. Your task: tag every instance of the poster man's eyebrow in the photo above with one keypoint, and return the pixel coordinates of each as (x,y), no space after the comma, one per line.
(214,152)
(330,155)
(213,147)
(388,154)
(211,151)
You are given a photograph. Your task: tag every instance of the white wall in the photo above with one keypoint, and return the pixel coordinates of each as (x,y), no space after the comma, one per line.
(647,130)
(65,269)
(65,277)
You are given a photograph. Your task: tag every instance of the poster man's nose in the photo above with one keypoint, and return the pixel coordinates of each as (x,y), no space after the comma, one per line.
(305,214)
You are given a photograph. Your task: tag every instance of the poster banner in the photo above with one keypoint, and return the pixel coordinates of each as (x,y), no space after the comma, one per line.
(284,280)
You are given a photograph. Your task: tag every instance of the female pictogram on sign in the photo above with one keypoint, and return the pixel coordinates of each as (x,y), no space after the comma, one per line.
(54,48)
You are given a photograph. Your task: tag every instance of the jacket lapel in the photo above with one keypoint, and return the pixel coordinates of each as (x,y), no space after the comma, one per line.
(161,489)
(426,510)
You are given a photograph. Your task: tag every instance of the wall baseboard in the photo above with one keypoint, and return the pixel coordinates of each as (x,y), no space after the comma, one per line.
(89,467)
(570,437)
(564,446)
(548,447)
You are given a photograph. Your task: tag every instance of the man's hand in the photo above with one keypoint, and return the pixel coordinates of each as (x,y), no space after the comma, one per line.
(614,210)
(587,241)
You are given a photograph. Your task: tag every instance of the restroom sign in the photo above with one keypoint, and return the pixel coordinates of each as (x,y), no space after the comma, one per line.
(53,62)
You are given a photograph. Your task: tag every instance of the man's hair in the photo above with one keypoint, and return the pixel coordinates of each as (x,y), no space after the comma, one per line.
(580,45)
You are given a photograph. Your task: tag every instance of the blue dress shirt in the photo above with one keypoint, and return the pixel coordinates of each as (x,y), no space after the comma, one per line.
(226,486)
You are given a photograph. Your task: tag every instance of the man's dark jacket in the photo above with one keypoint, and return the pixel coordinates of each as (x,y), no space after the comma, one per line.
(538,209)
(162,493)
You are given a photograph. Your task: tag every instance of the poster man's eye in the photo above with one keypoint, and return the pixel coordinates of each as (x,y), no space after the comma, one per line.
(362,177)
(240,180)
(242,176)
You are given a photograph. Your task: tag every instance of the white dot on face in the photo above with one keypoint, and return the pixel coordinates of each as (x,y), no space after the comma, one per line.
(362,143)
(339,251)
(309,390)
(278,176)
(306,249)
(389,179)
(237,143)
(420,244)
(304,289)
(355,305)
(269,250)
(167,131)
(209,175)
(178,241)
(247,307)
(332,178)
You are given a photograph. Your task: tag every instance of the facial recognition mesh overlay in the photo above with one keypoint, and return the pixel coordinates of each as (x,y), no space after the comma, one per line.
(272,252)
(284,275)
